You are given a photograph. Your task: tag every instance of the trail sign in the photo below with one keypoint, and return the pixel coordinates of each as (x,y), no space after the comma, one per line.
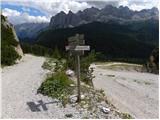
(78,48)
(76,45)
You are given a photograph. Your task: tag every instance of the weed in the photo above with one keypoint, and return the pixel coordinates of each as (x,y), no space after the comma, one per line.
(126,116)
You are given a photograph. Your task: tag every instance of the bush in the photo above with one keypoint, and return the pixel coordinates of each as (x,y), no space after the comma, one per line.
(8,55)
(56,86)
(36,49)
(126,116)
(86,72)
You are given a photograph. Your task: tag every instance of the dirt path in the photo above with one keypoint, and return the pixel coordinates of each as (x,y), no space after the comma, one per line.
(130,91)
(19,92)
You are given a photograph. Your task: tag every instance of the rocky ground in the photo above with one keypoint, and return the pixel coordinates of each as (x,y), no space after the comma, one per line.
(20,99)
(129,89)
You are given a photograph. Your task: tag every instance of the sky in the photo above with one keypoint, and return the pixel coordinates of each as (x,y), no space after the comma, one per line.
(22,11)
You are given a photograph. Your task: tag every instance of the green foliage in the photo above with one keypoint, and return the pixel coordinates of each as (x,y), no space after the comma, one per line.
(56,53)
(49,64)
(8,55)
(7,36)
(86,72)
(126,116)
(133,40)
(56,86)
(8,42)
(36,49)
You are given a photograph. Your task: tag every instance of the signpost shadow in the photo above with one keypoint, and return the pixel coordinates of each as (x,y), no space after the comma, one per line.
(34,107)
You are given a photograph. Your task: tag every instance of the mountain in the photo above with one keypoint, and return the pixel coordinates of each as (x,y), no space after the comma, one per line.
(10,47)
(121,15)
(29,30)
(114,40)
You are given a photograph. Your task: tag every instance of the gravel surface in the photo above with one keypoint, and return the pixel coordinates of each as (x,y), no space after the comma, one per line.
(20,99)
(19,91)
(130,91)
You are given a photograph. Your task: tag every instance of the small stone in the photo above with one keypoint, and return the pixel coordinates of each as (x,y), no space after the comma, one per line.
(69,115)
(70,72)
(73,99)
(82,97)
(105,110)
(72,85)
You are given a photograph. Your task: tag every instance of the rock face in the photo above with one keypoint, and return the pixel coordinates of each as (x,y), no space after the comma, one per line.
(18,47)
(12,37)
(109,13)
(62,20)
(153,62)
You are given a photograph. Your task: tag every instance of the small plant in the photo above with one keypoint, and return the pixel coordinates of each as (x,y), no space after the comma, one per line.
(48,64)
(56,86)
(147,83)
(126,116)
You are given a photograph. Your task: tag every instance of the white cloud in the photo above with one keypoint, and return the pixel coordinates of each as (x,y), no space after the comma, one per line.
(139,4)
(16,17)
(10,12)
(51,7)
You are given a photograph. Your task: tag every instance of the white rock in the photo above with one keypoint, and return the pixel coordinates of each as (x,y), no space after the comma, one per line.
(82,97)
(73,98)
(70,72)
(105,110)
(72,85)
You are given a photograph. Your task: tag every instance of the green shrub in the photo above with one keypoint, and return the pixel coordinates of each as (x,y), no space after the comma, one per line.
(86,73)
(126,116)
(56,86)
(8,55)
(36,49)
(8,42)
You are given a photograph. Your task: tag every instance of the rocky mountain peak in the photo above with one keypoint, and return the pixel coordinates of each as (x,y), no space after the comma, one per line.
(109,13)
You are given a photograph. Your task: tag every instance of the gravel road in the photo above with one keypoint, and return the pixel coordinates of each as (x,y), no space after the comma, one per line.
(130,91)
(19,92)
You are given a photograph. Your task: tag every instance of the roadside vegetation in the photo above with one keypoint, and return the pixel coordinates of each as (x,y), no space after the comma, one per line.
(8,42)
(63,87)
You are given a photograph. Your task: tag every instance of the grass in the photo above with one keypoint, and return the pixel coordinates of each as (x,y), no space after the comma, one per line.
(147,83)
(126,116)
(57,86)
(49,64)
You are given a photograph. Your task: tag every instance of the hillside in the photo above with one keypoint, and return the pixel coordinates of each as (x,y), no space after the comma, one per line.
(133,40)
(30,31)
(10,50)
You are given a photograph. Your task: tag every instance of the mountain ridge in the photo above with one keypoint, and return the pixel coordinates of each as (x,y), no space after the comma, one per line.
(106,14)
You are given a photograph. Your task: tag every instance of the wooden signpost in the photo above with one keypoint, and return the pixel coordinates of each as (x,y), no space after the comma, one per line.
(76,46)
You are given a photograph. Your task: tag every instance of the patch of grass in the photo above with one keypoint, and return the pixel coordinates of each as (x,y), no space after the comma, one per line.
(57,86)
(126,116)
(147,83)
(9,55)
(49,64)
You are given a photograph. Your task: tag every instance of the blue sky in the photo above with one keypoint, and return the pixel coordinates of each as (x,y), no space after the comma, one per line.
(20,8)
(21,11)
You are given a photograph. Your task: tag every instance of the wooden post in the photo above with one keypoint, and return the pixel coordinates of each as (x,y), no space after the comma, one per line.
(78,78)
(76,47)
